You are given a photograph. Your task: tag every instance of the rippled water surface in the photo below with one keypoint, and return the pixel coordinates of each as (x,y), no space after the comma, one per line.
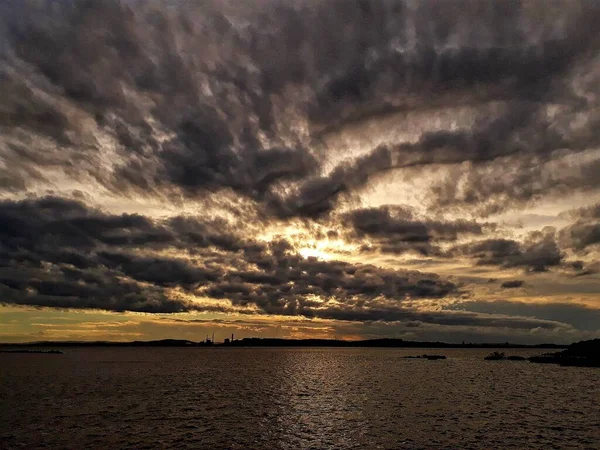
(322,398)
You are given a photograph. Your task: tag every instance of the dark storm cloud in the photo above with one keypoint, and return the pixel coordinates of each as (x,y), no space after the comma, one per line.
(521,138)
(529,80)
(54,222)
(111,294)
(587,269)
(444,48)
(59,252)
(60,223)
(202,98)
(104,60)
(158,271)
(537,253)
(293,284)
(56,253)
(584,234)
(492,188)
(590,212)
(396,229)
(318,195)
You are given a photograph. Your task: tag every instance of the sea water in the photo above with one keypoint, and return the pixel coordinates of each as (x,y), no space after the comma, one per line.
(293,398)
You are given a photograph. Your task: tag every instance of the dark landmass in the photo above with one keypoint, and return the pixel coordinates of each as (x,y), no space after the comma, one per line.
(580,354)
(47,352)
(430,357)
(274,342)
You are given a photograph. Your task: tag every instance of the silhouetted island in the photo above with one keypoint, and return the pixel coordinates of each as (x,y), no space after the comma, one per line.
(429,357)
(580,354)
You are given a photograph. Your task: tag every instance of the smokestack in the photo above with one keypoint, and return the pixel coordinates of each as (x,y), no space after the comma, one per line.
(231,337)
(213,338)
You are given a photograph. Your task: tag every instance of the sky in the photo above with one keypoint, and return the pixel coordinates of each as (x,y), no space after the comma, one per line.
(337,169)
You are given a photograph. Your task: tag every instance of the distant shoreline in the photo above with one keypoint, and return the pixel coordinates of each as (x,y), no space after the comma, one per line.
(274,342)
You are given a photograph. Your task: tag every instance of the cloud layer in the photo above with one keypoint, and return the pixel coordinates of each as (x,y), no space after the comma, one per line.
(200,98)
(60,253)
(378,135)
